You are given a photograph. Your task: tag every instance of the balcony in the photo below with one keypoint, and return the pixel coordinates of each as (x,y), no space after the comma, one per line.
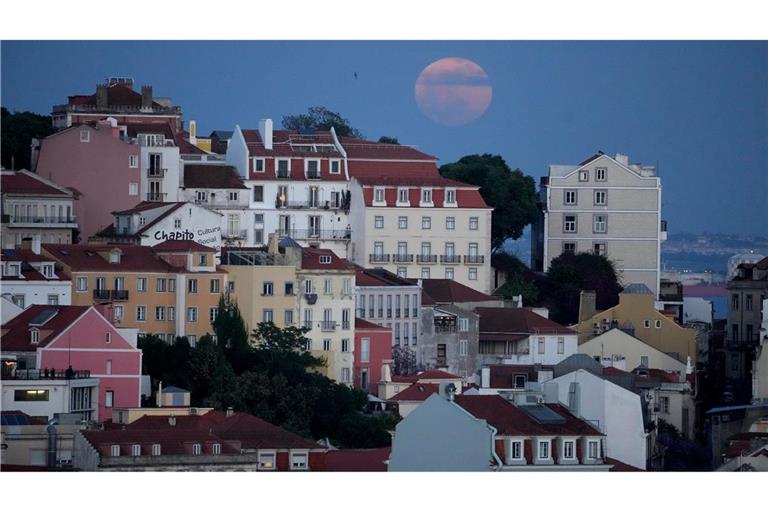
(37,220)
(119,295)
(378,258)
(283,174)
(450,258)
(402,258)
(328,326)
(101,296)
(236,234)
(156,172)
(445,325)
(320,234)
(474,259)
(37,374)
(345,326)
(426,258)
(156,196)
(307,324)
(313,175)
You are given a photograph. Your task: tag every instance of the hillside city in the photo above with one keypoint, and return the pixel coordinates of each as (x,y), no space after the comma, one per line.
(291,296)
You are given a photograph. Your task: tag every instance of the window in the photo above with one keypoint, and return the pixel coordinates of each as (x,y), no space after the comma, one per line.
(365,350)
(160,313)
(449,273)
(171,285)
(593,449)
(516,449)
(735,302)
(748,302)
(472,274)
(299,460)
(425,272)
(231,286)
(197,449)
(378,222)
(82,284)
(283,168)
(463,324)
(267,288)
(201,196)
(402,196)
(30,395)
(85,136)
(160,285)
(118,313)
(171,313)
(114,450)
(258,236)
(426,196)
(402,272)
(541,345)
(463,347)
(569,224)
(414,331)
(426,223)
(473,223)
(109,399)
(601,197)
(570,197)
(192,314)
(192,286)
(658,324)
(192,339)
(133,161)
(664,404)
(266,461)
(601,174)
(136,450)
(327,345)
(569,247)
(584,175)
(378,195)
(313,169)
(327,286)
(335,167)
(216,449)
(258,165)
(599,249)
(141,313)
(402,222)
(215,286)
(346,286)
(450,196)
(543,449)
(600,223)
(133,189)
(644,361)
(141,284)
(156,450)
(345,345)
(288,317)
(267,315)
(203,260)
(567,449)
(142,220)
(308,286)
(108,339)
(647,324)
(345,375)
(258,193)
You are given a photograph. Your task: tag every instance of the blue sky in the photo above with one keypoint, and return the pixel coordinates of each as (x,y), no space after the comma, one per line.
(698,110)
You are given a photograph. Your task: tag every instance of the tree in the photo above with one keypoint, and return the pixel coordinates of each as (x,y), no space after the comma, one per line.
(320,118)
(385,139)
(403,360)
(520,279)
(230,330)
(512,194)
(19,128)
(571,273)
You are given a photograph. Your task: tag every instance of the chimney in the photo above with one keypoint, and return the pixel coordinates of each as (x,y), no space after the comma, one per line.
(265,130)
(101,96)
(386,372)
(622,159)
(159,394)
(230,412)
(107,311)
(146,97)
(193,133)
(31,243)
(587,304)
(485,377)
(172,420)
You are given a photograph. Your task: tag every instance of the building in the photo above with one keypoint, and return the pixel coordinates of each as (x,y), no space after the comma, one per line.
(636,315)
(670,398)
(616,348)
(171,289)
(671,301)
(449,326)
(373,347)
(737,259)
(35,207)
(417,389)
(116,98)
(8,308)
(214,441)
(29,278)
(151,223)
(730,423)
(66,340)
(32,443)
(607,206)
(519,336)
(760,364)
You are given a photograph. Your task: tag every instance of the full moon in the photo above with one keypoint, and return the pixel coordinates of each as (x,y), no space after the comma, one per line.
(453,91)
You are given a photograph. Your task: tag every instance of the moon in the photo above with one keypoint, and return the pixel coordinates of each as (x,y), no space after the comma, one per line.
(453,91)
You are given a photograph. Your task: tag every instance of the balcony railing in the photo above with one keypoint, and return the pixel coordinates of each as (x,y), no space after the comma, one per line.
(328,326)
(320,234)
(119,295)
(345,326)
(378,258)
(307,324)
(426,258)
(156,196)
(38,220)
(156,172)
(283,175)
(402,258)
(444,328)
(240,234)
(313,175)
(474,259)
(101,295)
(450,258)
(44,374)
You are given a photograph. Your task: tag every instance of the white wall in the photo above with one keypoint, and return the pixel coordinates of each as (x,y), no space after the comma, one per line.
(617,342)
(237,153)
(200,224)
(697,309)
(37,292)
(550,355)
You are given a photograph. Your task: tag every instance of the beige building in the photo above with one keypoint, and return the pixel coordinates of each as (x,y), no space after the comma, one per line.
(422,226)
(607,206)
(760,364)
(635,313)
(618,349)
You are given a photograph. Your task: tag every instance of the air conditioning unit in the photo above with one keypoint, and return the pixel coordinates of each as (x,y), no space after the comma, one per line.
(193,411)
(541,400)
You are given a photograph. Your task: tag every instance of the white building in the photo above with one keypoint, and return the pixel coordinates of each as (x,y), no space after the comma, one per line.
(29,278)
(607,206)
(37,394)
(760,364)
(620,350)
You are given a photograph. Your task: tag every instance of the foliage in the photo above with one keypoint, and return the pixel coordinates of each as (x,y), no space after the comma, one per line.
(512,194)
(520,279)
(403,361)
(385,139)
(230,330)
(571,273)
(18,130)
(320,118)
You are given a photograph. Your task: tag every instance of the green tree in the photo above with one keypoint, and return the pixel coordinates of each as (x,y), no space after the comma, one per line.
(18,130)
(512,194)
(571,273)
(320,118)
(385,139)
(520,279)
(230,330)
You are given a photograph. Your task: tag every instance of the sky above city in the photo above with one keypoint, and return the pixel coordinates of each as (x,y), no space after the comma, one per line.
(697,110)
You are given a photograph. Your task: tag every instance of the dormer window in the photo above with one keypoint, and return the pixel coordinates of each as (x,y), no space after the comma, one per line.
(114,257)
(283,168)
(13,270)
(197,449)
(233,196)
(335,166)
(313,169)
(136,450)
(201,196)
(156,450)
(85,136)
(450,196)
(34,336)
(325,259)
(402,197)
(258,165)
(203,260)
(378,196)
(115,450)
(47,270)
(216,449)
(426,197)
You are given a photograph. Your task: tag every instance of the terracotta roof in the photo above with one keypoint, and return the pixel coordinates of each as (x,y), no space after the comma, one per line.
(186,147)
(502,376)
(144,206)
(361,149)
(655,374)
(511,420)
(592,158)
(369,326)
(404,378)
(465,198)
(212,176)
(25,182)
(23,255)
(357,460)
(177,442)
(517,320)
(182,246)
(310,259)
(448,291)
(379,277)
(416,393)
(16,337)
(117,95)
(436,375)
(620,466)
(159,128)
(87,258)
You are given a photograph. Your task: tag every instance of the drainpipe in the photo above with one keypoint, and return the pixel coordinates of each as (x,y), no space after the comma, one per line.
(499,464)
(51,429)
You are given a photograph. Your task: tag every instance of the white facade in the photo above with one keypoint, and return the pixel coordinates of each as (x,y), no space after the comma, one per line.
(615,411)
(46,397)
(608,206)
(24,288)
(394,307)
(760,364)
(620,350)
(697,309)
(160,176)
(548,349)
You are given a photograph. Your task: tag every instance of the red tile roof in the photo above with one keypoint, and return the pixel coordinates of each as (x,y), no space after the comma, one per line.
(511,420)
(15,333)
(310,259)
(369,326)
(144,206)
(448,291)
(416,393)
(502,376)
(592,158)
(379,277)
(357,460)
(182,246)
(134,258)
(517,321)
(25,182)
(158,127)
(404,378)
(212,176)
(436,375)
(620,466)
(117,95)
(655,374)
(24,255)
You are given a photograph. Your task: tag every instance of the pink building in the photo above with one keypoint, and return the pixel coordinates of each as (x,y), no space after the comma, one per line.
(373,346)
(83,339)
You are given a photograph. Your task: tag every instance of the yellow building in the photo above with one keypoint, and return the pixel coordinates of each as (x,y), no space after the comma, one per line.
(171,289)
(636,314)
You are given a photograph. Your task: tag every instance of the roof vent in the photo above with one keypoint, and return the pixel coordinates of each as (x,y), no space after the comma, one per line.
(172,421)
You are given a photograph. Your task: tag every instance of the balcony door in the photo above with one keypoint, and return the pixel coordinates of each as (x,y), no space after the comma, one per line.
(402,250)
(119,283)
(314,197)
(314,225)
(101,283)
(155,164)
(285,225)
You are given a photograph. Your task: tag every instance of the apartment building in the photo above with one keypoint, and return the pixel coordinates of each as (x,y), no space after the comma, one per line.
(30,278)
(418,224)
(171,289)
(605,205)
(373,349)
(33,206)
